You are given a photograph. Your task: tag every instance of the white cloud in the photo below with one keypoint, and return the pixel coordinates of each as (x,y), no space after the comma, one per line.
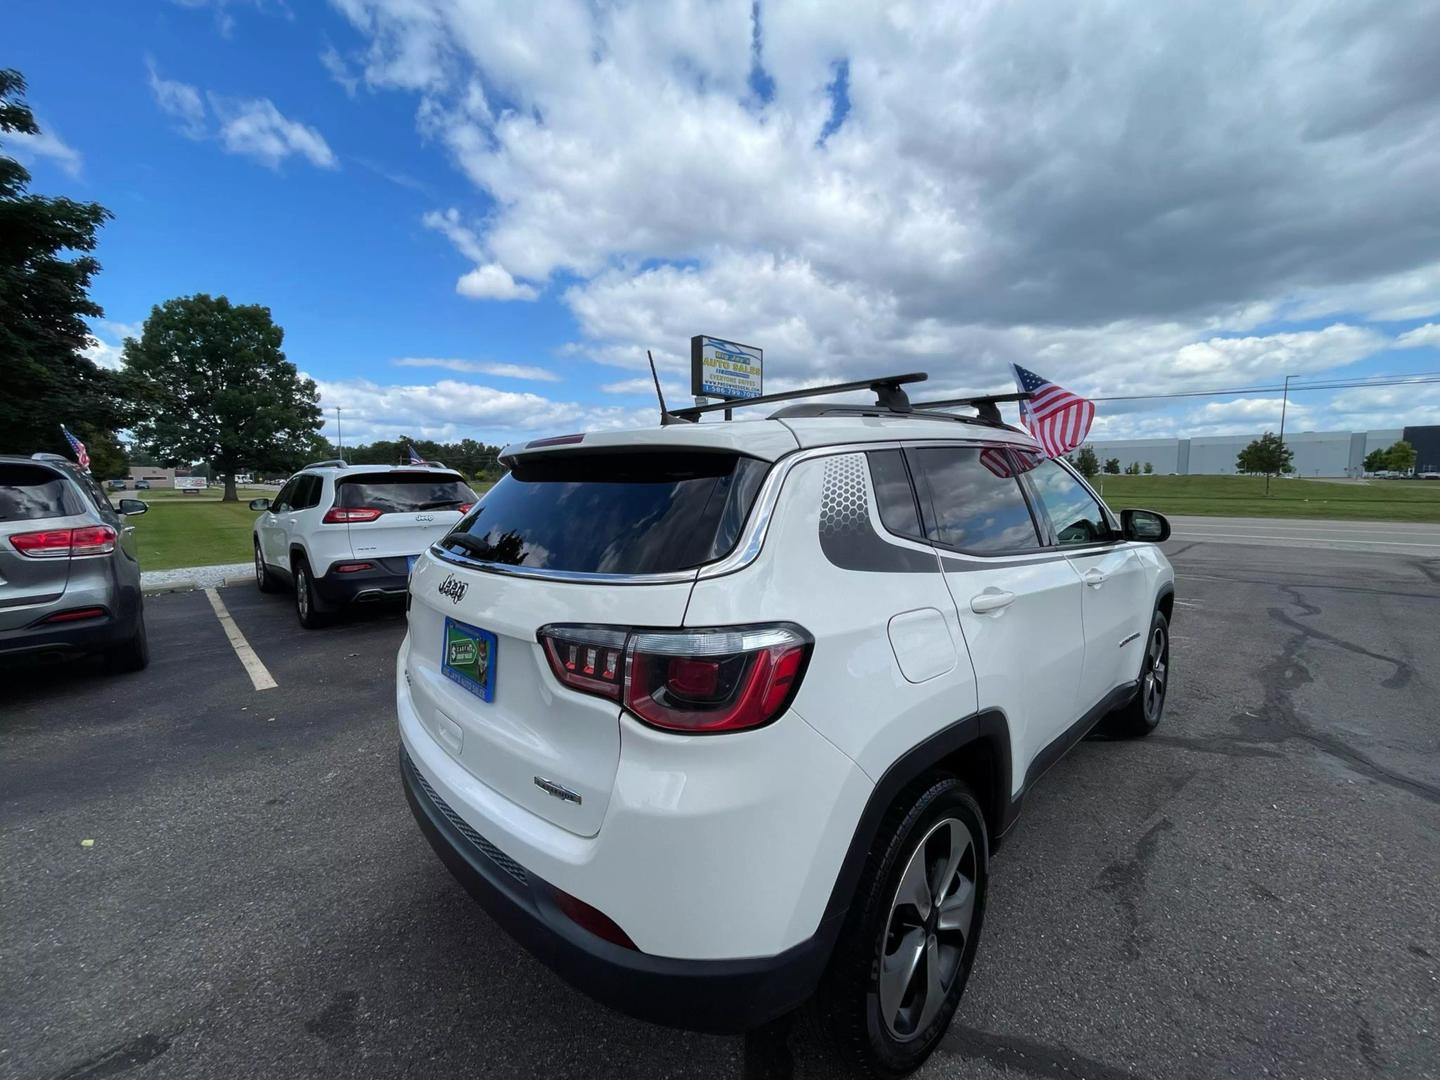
(255,128)
(489,280)
(482,367)
(180,100)
(251,127)
(107,342)
(1090,190)
(1429,334)
(451,409)
(493,282)
(44,144)
(339,71)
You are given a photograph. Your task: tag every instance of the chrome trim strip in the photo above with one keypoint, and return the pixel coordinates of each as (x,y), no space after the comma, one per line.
(576,577)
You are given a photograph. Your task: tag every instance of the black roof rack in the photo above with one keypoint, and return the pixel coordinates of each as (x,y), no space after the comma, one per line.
(987,406)
(890,400)
(888,395)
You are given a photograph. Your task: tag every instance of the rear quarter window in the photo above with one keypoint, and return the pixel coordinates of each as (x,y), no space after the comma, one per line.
(608,513)
(29,492)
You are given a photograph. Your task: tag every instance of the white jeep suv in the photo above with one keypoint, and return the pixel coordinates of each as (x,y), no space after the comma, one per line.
(718,719)
(339,534)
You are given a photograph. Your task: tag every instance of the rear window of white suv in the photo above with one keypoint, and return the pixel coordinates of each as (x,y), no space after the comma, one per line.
(613,513)
(403,492)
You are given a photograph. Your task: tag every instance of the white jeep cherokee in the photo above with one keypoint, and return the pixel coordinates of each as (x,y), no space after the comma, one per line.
(339,534)
(718,719)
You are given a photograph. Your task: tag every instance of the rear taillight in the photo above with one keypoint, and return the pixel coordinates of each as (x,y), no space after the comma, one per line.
(464,508)
(338,515)
(62,543)
(353,567)
(696,681)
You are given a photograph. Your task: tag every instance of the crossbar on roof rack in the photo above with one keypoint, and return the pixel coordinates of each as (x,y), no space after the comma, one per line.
(888,395)
(987,405)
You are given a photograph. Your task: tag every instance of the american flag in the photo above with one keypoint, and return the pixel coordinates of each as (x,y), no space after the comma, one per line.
(411,457)
(81,457)
(1058,419)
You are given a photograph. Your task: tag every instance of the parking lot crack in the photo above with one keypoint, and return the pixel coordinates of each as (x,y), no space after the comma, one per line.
(1027,1057)
(120,1059)
(1125,878)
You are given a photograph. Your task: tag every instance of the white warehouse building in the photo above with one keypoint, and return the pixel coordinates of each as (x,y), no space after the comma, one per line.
(1317,453)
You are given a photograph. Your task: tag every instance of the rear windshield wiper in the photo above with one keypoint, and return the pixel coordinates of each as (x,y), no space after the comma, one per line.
(469,543)
(439,502)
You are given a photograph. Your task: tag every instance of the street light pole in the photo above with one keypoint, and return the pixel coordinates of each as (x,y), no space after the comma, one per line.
(340,441)
(1284,402)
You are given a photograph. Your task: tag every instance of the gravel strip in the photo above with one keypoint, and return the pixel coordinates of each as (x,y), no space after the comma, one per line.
(199,577)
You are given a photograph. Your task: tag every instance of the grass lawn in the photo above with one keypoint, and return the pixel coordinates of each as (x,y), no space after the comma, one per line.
(1244,496)
(192,530)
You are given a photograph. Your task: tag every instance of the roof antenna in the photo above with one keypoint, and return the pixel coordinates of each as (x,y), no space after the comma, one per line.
(666,416)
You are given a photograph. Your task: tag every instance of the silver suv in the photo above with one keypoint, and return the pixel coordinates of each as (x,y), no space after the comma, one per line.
(69,577)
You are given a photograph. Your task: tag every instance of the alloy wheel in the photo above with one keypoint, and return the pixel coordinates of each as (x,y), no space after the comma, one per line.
(931,920)
(259,569)
(1157,663)
(302,592)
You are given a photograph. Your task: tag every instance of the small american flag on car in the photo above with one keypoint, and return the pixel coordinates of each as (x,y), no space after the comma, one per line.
(1058,419)
(411,457)
(82,458)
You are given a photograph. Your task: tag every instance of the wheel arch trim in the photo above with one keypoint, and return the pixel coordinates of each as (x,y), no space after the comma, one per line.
(988,731)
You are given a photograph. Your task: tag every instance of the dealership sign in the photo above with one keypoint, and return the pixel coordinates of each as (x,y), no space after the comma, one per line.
(724,369)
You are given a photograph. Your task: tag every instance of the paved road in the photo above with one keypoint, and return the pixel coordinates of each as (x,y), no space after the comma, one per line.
(1249,892)
(1386,537)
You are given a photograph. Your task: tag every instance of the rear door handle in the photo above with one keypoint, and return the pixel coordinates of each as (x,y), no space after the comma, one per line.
(1094,578)
(991,599)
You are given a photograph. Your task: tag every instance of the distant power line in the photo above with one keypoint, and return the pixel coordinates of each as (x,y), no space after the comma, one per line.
(1418,379)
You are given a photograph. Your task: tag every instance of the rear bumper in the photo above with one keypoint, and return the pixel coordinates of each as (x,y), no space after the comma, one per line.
(721,996)
(90,636)
(387,580)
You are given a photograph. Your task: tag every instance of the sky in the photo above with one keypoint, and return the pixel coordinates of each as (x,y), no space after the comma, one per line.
(472,219)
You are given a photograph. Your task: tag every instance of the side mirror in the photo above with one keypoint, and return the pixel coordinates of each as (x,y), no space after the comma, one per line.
(1144,525)
(259,504)
(131,507)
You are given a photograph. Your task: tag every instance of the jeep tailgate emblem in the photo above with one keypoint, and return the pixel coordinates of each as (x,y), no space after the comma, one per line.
(560,791)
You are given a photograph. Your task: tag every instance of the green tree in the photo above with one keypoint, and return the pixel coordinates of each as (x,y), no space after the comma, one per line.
(1266,455)
(1149,468)
(44,302)
(1400,457)
(1086,461)
(1133,469)
(212,384)
(1377,460)
(1112,466)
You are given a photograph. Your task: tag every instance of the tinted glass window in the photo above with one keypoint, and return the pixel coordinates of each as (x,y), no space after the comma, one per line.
(893,492)
(977,502)
(33,491)
(307,493)
(1073,511)
(282,500)
(613,513)
(405,492)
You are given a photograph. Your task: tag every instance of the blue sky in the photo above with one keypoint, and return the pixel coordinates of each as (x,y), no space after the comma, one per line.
(534,194)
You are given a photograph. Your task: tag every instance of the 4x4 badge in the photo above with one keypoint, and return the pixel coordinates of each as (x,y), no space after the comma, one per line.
(454,588)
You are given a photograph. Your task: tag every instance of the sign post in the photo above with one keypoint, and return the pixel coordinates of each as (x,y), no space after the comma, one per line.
(725,369)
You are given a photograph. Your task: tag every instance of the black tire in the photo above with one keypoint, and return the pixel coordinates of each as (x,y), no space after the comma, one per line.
(134,654)
(264,579)
(871,1032)
(1142,715)
(312,611)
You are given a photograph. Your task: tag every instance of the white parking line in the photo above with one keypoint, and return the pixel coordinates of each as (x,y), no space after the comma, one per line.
(253,667)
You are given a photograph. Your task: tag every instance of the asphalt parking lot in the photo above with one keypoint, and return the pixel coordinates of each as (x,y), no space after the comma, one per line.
(1250,892)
